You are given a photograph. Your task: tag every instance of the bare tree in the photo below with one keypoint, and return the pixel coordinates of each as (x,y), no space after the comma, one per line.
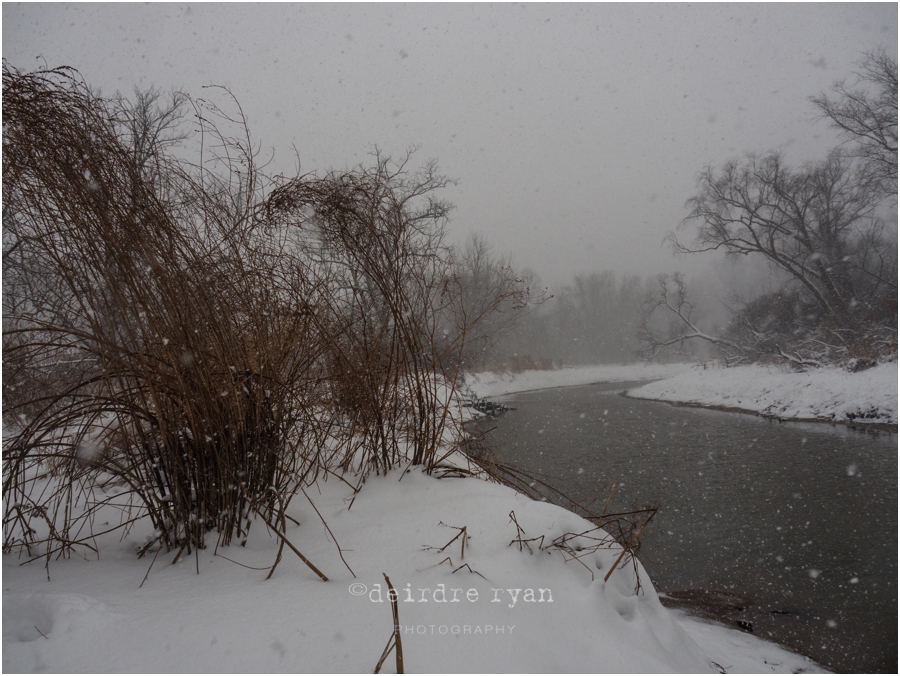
(150,123)
(818,224)
(866,113)
(668,323)
(483,276)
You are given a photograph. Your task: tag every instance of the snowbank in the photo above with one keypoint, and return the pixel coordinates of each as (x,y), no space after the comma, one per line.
(827,394)
(490,384)
(527,611)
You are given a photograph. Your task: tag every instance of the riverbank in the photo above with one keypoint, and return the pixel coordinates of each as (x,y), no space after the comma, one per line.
(748,507)
(488,384)
(229,618)
(866,398)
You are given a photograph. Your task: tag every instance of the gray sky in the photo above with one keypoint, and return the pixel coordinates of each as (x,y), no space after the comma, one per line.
(576,131)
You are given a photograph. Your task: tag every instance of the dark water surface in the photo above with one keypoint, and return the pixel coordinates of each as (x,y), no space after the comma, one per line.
(800,518)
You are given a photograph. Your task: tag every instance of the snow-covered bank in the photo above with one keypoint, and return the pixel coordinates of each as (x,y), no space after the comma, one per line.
(827,394)
(94,616)
(491,384)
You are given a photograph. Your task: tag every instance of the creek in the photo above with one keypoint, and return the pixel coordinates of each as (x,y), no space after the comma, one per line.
(786,528)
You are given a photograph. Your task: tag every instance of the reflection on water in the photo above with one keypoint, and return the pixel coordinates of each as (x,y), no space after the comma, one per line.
(799,518)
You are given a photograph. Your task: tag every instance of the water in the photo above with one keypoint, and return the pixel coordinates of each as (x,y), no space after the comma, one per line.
(799,518)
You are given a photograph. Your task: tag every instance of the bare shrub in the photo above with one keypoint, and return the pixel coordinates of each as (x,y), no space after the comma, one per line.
(397,319)
(196,342)
(195,329)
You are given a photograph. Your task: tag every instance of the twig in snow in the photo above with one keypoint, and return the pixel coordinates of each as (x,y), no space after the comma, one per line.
(324,523)
(466,565)
(462,549)
(394,642)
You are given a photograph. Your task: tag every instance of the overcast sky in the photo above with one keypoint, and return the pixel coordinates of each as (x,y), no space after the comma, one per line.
(576,131)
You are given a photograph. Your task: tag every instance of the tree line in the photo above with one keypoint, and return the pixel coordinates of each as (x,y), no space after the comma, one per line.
(593,319)
(821,230)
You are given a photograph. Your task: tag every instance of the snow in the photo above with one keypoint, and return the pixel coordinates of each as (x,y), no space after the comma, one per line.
(492,384)
(493,607)
(94,615)
(740,653)
(827,394)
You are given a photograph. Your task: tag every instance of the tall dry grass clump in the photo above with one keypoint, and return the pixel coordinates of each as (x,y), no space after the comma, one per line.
(190,328)
(195,342)
(392,324)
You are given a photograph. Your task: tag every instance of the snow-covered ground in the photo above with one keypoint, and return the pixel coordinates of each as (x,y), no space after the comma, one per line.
(828,394)
(485,609)
(492,384)
(491,608)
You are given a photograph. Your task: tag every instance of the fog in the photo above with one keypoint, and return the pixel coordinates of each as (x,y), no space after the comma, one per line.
(575,132)
(173,332)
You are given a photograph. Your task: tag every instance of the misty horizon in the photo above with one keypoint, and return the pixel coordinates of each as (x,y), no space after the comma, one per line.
(575,133)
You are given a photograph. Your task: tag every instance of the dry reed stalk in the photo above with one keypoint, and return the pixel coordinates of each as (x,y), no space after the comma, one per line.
(520,532)
(631,544)
(461,533)
(467,566)
(394,642)
(333,539)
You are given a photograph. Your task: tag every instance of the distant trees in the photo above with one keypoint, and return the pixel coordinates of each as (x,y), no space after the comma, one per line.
(483,276)
(594,319)
(149,123)
(598,316)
